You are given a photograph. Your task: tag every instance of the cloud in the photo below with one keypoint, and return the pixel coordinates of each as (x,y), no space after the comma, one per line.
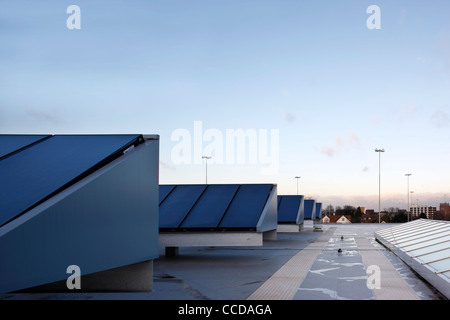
(402,17)
(45,116)
(329,151)
(365,169)
(289,117)
(406,112)
(352,140)
(166,166)
(443,49)
(440,119)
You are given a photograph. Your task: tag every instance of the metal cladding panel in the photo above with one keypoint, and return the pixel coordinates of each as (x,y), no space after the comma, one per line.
(15,142)
(288,208)
(175,208)
(164,191)
(247,206)
(310,209)
(37,173)
(210,208)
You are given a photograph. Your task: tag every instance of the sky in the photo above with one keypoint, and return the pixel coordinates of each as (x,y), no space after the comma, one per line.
(310,85)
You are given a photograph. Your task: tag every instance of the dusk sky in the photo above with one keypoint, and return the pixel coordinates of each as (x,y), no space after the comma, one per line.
(311,73)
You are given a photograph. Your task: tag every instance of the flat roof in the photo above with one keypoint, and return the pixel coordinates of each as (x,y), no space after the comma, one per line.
(304,265)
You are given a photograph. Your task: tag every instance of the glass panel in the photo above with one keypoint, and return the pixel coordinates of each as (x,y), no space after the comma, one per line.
(164,190)
(318,209)
(440,265)
(175,208)
(247,206)
(420,232)
(11,143)
(288,209)
(310,209)
(33,175)
(430,248)
(210,208)
(435,256)
(447,274)
(417,243)
(401,228)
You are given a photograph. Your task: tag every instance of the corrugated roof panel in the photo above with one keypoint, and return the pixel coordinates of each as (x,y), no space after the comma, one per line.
(35,174)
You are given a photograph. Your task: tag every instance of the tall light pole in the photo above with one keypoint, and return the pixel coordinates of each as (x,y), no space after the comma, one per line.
(206,158)
(407,176)
(297,177)
(379,183)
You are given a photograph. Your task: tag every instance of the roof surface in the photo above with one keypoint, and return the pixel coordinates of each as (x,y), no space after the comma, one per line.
(318,271)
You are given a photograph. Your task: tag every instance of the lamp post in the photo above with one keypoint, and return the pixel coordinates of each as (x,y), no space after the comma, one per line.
(206,158)
(379,183)
(297,177)
(407,175)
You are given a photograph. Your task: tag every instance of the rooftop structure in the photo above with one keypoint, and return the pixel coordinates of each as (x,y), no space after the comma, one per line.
(290,213)
(310,209)
(84,200)
(425,246)
(217,215)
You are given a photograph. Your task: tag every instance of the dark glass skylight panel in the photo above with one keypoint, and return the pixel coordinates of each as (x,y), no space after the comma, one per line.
(35,174)
(15,142)
(211,207)
(247,206)
(288,208)
(175,208)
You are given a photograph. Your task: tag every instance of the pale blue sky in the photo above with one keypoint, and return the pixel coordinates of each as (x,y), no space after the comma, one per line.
(334,89)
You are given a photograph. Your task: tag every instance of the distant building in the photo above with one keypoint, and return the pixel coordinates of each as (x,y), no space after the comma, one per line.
(370,211)
(444,208)
(343,220)
(335,219)
(417,210)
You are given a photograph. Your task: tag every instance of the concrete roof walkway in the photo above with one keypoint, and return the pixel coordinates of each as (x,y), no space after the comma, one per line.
(338,265)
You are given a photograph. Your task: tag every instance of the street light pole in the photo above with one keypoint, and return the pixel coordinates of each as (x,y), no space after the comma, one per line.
(297,177)
(206,158)
(407,175)
(379,183)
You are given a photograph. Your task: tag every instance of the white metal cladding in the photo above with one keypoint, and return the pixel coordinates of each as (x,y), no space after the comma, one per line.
(425,246)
